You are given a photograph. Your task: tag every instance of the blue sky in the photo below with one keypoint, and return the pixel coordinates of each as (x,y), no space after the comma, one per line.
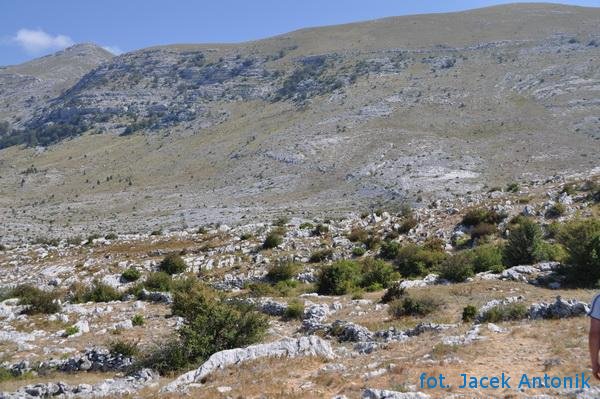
(31,28)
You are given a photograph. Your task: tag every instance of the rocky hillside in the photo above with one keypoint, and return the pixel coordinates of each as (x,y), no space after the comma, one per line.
(319,120)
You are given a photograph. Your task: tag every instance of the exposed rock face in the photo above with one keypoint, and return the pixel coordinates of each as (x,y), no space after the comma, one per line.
(112,387)
(348,331)
(560,309)
(288,347)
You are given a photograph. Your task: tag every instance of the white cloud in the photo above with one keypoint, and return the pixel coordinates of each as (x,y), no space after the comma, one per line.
(37,41)
(113,50)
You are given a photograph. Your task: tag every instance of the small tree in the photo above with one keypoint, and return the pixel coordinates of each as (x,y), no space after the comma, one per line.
(173,264)
(272,240)
(339,278)
(523,244)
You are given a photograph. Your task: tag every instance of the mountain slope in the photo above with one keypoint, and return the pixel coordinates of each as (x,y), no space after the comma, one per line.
(322,120)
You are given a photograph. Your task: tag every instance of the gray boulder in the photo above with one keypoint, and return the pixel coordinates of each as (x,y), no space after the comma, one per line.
(560,309)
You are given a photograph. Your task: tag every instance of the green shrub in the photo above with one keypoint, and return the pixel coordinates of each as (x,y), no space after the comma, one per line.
(389,250)
(377,274)
(417,260)
(372,241)
(124,348)
(131,274)
(339,278)
(552,252)
(272,240)
(457,268)
(283,270)
(487,257)
(306,226)
(483,230)
(410,306)
(513,187)
(211,324)
(523,244)
(281,221)
(295,310)
(111,236)
(172,264)
(358,234)
(481,215)
(245,236)
(358,251)
(71,330)
(556,210)
(581,239)
(393,293)
(99,292)
(407,224)
(36,300)
(321,255)
(156,232)
(158,281)
(507,312)
(138,320)
(469,313)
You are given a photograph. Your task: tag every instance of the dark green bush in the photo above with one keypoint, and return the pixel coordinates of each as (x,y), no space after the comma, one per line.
(523,244)
(283,270)
(481,215)
(339,278)
(131,274)
(457,268)
(469,313)
(389,250)
(512,187)
(358,251)
(410,306)
(211,324)
(321,255)
(417,260)
(581,239)
(407,224)
(487,257)
(393,293)
(124,348)
(100,292)
(377,274)
(36,300)
(172,264)
(306,226)
(483,230)
(111,236)
(138,320)
(295,310)
(507,312)
(320,230)
(556,210)
(158,281)
(272,240)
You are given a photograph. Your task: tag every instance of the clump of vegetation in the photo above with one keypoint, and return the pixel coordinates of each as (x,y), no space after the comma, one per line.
(124,348)
(71,330)
(172,264)
(158,281)
(131,275)
(417,260)
(505,312)
(393,293)
(478,216)
(272,240)
(321,255)
(339,278)
(358,251)
(457,268)
(138,320)
(411,306)
(211,324)
(556,210)
(306,226)
(294,310)
(487,257)
(358,234)
(320,229)
(483,230)
(513,187)
(245,236)
(469,313)
(377,274)
(581,239)
(389,250)
(111,236)
(409,223)
(523,244)
(98,292)
(36,300)
(281,221)
(283,270)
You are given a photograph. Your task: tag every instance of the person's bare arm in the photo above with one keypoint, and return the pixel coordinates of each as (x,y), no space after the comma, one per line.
(594,344)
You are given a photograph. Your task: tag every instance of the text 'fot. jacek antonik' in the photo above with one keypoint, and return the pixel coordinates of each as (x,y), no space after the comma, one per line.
(504,381)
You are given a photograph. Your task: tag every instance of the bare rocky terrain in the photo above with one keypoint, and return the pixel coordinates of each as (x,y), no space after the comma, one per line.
(325,213)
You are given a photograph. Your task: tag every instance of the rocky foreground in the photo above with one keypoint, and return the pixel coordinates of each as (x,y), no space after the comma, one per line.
(113,303)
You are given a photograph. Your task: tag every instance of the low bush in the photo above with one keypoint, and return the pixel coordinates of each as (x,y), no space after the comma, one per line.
(513,187)
(457,268)
(321,255)
(393,293)
(320,230)
(172,264)
(124,348)
(306,226)
(97,292)
(272,240)
(417,260)
(410,306)
(483,230)
(469,313)
(487,257)
(35,300)
(389,250)
(111,236)
(407,224)
(283,270)
(556,210)
(507,312)
(211,324)
(358,251)
(358,234)
(476,216)
(131,275)
(339,278)
(71,330)
(138,320)
(158,281)
(377,274)
(294,310)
